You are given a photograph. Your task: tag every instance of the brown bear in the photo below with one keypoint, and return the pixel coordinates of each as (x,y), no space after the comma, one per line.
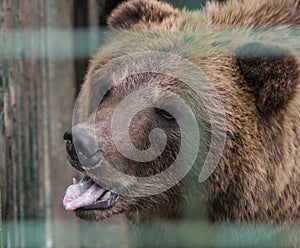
(236,66)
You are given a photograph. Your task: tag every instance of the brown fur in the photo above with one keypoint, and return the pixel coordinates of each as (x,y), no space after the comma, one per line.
(257,78)
(145,13)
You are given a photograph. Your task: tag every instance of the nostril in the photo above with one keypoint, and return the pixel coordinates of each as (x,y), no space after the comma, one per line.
(70,147)
(68,135)
(69,144)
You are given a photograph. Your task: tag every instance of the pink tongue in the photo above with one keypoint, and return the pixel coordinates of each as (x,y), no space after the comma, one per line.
(82,194)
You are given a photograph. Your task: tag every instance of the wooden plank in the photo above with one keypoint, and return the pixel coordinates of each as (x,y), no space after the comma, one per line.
(20,76)
(61,91)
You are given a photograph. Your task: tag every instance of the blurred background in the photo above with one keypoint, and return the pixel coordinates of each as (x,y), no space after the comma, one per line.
(45,46)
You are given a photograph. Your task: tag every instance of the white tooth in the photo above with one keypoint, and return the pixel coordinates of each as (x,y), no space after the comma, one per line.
(106,196)
(74,180)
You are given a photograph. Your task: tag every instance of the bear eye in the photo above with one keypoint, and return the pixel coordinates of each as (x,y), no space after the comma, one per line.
(164,114)
(105,93)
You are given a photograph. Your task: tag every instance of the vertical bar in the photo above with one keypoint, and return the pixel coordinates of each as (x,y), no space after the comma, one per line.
(81,23)
(2,148)
(61,91)
(94,11)
(4,94)
(45,129)
(47,177)
(19,127)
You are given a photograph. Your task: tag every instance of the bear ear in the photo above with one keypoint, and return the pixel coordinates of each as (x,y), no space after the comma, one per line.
(146,12)
(272,74)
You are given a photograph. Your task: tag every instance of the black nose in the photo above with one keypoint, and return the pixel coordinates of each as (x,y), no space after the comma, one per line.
(82,146)
(68,135)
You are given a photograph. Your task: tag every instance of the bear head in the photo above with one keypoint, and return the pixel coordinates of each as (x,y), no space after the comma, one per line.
(161,69)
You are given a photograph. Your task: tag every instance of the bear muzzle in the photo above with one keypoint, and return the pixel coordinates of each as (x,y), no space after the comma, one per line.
(84,153)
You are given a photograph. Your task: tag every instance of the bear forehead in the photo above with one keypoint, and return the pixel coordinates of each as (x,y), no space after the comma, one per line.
(211,56)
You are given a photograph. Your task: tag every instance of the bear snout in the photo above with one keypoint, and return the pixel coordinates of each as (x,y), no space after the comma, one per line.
(82,147)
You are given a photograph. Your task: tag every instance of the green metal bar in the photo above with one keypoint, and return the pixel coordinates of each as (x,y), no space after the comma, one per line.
(58,41)
(182,234)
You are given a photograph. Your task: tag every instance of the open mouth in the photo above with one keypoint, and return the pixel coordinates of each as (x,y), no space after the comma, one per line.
(88,195)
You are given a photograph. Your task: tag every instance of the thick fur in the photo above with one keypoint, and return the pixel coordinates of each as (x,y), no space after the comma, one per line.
(257,77)
(135,13)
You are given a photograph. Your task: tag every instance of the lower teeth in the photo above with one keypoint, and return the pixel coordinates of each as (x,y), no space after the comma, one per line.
(74,180)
